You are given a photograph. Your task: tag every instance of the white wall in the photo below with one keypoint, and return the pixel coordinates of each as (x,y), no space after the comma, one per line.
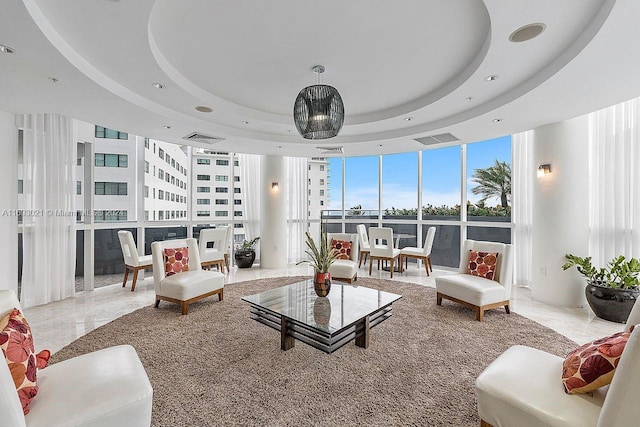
(273,217)
(560,211)
(9,201)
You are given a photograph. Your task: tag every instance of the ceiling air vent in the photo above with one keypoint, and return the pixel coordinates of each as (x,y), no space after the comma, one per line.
(437,139)
(200,137)
(330,150)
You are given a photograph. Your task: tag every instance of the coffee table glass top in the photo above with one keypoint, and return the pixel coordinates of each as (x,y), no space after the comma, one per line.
(345,304)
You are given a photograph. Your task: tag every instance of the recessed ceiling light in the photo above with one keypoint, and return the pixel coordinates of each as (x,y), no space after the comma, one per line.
(158,85)
(167,127)
(244,122)
(469,98)
(496,120)
(408,119)
(53,80)
(6,49)
(204,109)
(379,145)
(279,146)
(527,32)
(491,77)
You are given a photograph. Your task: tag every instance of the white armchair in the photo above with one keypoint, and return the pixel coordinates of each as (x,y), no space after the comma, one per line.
(523,388)
(188,286)
(423,253)
(381,247)
(214,255)
(345,269)
(476,292)
(132,260)
(108,387)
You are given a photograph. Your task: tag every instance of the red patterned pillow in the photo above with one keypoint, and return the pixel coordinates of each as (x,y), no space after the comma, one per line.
(17,345)
(342,248)
(176,260)
(592,366)
(483,264)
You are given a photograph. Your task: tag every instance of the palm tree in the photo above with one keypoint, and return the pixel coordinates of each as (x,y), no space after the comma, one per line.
(494,181)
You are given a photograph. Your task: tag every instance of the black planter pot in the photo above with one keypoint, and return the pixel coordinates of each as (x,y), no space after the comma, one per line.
(245,259)
(610,303)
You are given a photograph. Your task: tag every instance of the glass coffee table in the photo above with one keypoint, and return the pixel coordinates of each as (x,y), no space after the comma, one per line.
(347,313)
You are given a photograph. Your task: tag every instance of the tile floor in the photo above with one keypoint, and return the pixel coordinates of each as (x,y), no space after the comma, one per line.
(57,324)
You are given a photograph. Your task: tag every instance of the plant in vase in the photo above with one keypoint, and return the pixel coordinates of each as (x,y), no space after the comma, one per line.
(321,259)
(611,290)
(245,253)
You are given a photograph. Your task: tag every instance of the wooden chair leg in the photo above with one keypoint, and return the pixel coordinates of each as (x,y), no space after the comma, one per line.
(479,314)
(438,299)
(360,260)
(226,262)
(221,295)
(507,309)
(157,302)
(391,268)
(185,307)
(370,263)
(426,265)
(126,274)
(135,279)
(430,265)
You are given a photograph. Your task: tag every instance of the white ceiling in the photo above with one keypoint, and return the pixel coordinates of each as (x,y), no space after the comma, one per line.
(248,59)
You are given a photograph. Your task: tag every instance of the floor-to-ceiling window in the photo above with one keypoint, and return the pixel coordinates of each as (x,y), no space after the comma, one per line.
(441,202)
(399,196)
(489,189)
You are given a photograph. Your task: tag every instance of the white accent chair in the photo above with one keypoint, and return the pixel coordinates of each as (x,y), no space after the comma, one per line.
(210,256)
(381,248)
(345,270)
(108,387)
(188,286)
(363,241)
(423,253)
(523,388)
(132,260)
(476,292)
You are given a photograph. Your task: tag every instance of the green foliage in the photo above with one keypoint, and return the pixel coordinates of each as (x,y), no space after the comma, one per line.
(619,273)
(321,258)
(494,181)
(356,211)
(472,210)
(248,245)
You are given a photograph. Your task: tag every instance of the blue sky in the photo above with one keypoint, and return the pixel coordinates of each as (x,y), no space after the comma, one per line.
(440,176)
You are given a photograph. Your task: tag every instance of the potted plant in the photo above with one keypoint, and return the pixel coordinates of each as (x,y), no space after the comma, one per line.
(245,253)
(321,259)
(611,290)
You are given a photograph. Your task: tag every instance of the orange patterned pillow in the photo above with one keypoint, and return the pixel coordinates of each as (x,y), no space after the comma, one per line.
(17,345)
(483,264)
(176,260)
(342,248)
(592,366)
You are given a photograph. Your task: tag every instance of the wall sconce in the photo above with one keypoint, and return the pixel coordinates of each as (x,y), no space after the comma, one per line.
(275,186)
(544,169)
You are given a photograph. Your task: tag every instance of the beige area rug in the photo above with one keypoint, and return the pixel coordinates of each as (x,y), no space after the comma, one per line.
(216,366)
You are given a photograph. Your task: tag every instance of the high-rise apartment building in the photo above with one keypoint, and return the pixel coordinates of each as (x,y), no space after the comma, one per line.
(216,193)
(166,183)
(318,186)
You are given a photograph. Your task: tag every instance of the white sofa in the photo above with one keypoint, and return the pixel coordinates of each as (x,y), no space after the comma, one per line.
(523,388)
(476,292)
(105,388)
(345,270)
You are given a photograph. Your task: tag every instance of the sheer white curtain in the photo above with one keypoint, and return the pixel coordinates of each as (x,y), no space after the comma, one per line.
(523,176)
(250,188)
(48,231)
(614,199)
(297,206)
